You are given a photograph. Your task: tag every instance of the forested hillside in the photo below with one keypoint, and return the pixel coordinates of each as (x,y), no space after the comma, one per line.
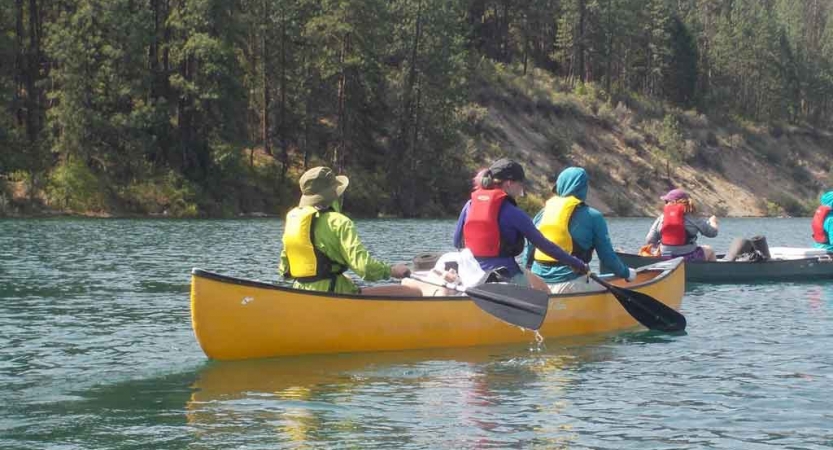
(213,107)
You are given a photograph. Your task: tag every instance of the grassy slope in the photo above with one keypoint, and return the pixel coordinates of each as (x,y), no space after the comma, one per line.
(730,168)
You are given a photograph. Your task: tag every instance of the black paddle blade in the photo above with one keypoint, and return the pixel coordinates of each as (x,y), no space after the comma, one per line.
(649,311)
(517,305)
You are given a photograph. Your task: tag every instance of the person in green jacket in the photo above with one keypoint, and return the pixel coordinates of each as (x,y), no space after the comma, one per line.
(320,243)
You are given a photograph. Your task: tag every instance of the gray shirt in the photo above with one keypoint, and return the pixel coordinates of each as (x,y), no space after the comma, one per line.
(693,227)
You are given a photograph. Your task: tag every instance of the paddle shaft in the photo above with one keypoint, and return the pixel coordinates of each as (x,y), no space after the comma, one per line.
(473,292)
(444,284)
(514,304)
(647,310)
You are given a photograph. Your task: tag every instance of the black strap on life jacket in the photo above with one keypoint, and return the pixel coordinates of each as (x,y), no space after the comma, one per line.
(325,268)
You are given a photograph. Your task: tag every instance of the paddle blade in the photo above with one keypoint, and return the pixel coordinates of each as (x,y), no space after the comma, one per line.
(649,311)
(517,305)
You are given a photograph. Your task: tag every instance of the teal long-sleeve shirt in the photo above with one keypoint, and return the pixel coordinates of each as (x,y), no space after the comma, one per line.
(828,229)
(827,199)
(588,229)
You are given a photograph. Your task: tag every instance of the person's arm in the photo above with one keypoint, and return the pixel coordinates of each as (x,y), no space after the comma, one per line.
(828,228)
(458,230)
(604,248)
(529,251)
(523,223)
(654,234)
(284,264)
(356,255)
(705,227)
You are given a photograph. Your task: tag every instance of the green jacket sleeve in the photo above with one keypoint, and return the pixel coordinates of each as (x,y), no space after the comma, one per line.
(282,266)
(354,253)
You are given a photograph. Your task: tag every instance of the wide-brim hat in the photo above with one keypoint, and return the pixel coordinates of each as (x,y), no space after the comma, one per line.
(321,187)
(674,195)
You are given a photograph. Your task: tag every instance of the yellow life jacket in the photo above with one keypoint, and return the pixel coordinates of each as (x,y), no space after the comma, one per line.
(555,225)
(306,263)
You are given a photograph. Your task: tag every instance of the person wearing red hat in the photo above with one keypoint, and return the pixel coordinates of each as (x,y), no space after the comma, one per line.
(677,228)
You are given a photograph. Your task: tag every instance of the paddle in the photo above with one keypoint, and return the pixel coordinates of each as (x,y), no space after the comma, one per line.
(511,303)
(647,310)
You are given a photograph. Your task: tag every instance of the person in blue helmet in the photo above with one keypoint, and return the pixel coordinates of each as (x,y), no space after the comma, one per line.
(577,228)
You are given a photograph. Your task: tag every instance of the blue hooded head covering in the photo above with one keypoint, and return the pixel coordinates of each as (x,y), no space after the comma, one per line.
(826,199)
(572,182)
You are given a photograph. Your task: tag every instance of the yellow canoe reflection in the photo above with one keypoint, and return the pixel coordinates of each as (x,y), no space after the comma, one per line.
(302,395)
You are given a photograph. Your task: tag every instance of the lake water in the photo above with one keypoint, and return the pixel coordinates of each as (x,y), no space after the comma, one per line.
(97,353)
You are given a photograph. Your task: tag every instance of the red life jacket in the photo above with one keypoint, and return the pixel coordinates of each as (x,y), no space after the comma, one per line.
(481,230)
(673,225)
(819,235)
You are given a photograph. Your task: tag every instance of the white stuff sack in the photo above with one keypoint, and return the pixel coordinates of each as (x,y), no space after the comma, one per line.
(469,270)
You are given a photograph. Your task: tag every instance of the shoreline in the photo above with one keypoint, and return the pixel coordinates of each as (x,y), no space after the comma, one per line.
(262,215)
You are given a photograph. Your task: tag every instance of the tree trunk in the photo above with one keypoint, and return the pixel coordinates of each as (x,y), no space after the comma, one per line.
(407,130)
(582,23)
(609,50)
(282,120)
(506,55)
(33,74)
(341,146)
(19,64)
(264,61)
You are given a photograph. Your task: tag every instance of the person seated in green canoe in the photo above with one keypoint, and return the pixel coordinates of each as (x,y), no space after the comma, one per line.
(822,224)
(677,228)
(320,243)
(579,229)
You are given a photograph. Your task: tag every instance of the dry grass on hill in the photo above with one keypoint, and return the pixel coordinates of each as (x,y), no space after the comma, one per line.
(635,150)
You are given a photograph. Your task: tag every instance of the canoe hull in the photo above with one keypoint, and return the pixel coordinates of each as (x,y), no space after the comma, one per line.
(241,319)
(804,269)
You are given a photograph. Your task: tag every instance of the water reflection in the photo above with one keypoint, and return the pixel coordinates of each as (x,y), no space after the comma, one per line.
(146,411)
(485,397)
(819,298)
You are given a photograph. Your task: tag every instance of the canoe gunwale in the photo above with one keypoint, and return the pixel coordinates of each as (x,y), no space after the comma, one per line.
(812,268)
(667,268)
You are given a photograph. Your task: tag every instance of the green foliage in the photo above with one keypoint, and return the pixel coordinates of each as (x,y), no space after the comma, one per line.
(621,205)
(158,99)
(73,186)
(166,195)
(671,138)
(789,205)
(5,198)
(771,209)
(531,203)
(681,78)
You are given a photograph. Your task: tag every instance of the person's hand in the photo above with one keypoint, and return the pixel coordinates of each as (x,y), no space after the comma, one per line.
(713,221)
(581,270)
(631,275)
(399,271)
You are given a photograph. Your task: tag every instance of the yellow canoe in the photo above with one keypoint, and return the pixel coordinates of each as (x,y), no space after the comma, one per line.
(235,318)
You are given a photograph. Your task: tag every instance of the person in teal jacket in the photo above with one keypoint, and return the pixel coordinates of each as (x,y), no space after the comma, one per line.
(589,232)
(823,222)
